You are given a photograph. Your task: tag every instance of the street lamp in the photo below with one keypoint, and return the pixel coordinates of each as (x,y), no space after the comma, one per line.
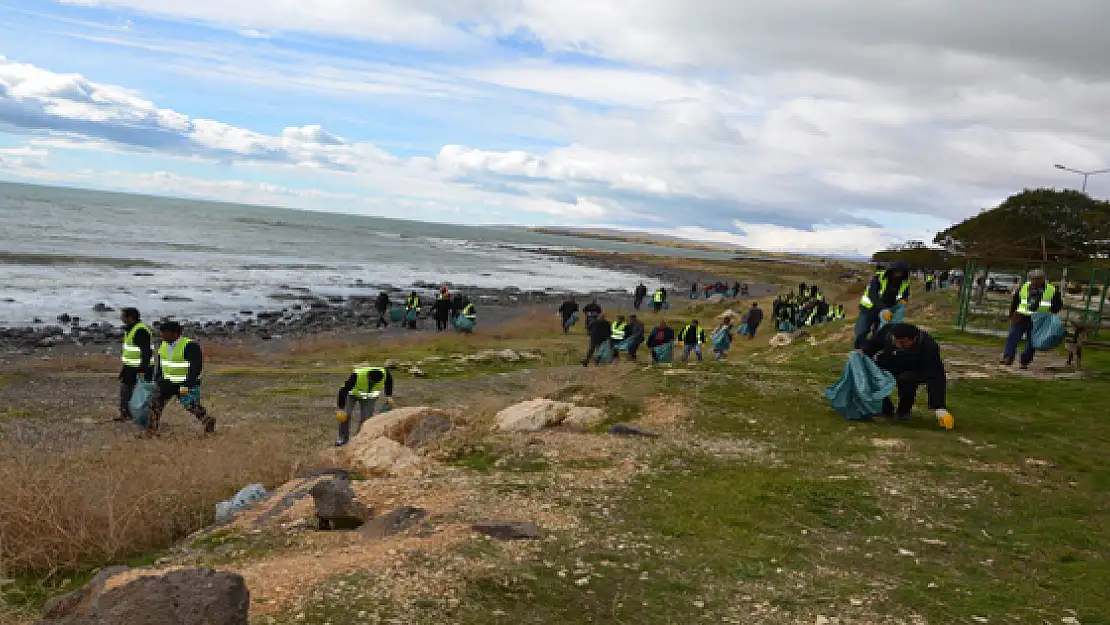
(1085,174)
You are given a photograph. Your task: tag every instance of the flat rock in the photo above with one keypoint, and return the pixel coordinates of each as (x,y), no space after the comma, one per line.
(532,416)
(624,429)
(381,456)
(507,530)
(393,523)
(396,424)
(584,416)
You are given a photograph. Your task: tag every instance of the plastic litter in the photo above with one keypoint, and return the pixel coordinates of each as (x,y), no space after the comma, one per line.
(604,353)
(396,314)
(225,510)
(663,353)
(861,389)
(721,340)
(140,402)
(411,315)
(1048,331)
(464,324)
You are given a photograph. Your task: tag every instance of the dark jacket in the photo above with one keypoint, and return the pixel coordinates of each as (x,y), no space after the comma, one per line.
(128,375)
(690,337)
(442,307)
(887,299)
(660,336)
(382,303)
(635,331)
(341,401)
(592,307)
(1057,300)
(568,308)
(754,317)
(923,358)
(641,292)
(195,359)
(600,331)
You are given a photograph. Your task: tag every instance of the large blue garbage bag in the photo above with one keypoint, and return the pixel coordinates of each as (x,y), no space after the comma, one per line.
(786,326)
(860,391)
(1048,331)
(570,321)
(604,353)
(411,315)
(396,314)
(664,352)
(140,402)
(897,315)
(721,340)
(464,324)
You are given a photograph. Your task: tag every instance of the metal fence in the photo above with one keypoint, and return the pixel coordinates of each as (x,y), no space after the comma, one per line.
(987,290)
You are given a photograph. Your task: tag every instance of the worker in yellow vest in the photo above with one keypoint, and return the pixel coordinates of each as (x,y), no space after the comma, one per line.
(617,333)
(1036,295)
(363,388)
(180,363)
(137,356)
(887,289)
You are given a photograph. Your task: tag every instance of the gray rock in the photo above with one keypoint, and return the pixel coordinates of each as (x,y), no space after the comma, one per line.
(507,530)
(336,506)
(623,429)
(395,522)
(431,428)
(80,601)
(101,307)
(182,597)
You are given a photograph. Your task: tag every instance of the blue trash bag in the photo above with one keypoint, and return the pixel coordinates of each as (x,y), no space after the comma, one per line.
(140,402)
(464,324)
(604,353)
(693,296)
(897,315)
(786,326)
(623,344)
(742,330)
(664,352)
(721,340)
(412,315)
(860,391)
(396,314)
(572,320)
(1048,331)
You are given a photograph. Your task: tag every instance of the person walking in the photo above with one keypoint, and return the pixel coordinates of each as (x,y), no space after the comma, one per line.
(722,338)
(913,358)
(1036,295)
(593,311)
(692,337)
(362,389)
(441,309)
(567,312)
(752,320)
(634,336)
(382,305)
(639,296)
(137,355)
(178,374)
(887,288)
(412,310)
(659,299)
(694,291)
(600,332)
(661,335)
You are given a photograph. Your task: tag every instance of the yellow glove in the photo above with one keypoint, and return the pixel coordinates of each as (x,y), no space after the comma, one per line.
(341,416)
(183,391)
(903,302)
(389,401)
(887,315)
(945,419)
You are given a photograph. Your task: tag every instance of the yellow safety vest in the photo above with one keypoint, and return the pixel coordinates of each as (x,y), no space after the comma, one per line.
(173,365)
(132,355)
(618,331)
(699,336)
(866,302)
(658,299)
(412,301)
(1046,299)
(468,311)
(362,389)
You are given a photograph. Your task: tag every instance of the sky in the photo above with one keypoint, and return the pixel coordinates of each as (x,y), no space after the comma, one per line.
(821,126)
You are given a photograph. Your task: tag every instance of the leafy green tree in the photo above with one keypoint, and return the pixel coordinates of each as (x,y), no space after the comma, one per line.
(917,254)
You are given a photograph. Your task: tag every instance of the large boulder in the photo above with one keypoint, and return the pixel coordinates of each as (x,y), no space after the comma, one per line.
(400,423)
(181,597)
(336,506)
(381,456)
(584,417)
(532,416)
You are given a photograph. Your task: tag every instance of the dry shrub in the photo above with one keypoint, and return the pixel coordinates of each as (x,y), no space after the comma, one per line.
(92,507)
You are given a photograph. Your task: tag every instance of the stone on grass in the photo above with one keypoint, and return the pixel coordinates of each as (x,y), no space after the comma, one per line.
(507,530)
(397,424)
(381,456)
(393,523)
(336,505)
(624,429)
(181,597)
(584,417)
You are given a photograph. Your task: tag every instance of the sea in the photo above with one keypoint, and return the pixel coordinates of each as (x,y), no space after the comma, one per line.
(65,250)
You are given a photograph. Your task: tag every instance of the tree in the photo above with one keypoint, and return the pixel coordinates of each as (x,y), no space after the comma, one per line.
(1035,225)
(917,254)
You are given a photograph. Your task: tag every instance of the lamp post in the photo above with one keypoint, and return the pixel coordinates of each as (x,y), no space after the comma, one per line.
(1085,174)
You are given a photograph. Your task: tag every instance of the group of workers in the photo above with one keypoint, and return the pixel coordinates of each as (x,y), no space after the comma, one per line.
(720,288)
(444,308)
(907,352)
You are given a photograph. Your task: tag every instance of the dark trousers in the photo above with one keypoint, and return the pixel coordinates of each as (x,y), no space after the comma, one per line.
(441,321)
(1018,331)
(908,381)
(633,347)
(590,352)
(382,322)
(866,324)
(125,392)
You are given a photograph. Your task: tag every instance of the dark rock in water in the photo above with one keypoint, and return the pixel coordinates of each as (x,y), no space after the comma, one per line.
(8,300)
(184,597)
(175,298)
(431,428)
(142,274)
(623,429)
(64,318)
(246,312)
(101,307)
(36,320)
(507,530)
(298,307)
(393,523)
(75,321)
(336,506)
